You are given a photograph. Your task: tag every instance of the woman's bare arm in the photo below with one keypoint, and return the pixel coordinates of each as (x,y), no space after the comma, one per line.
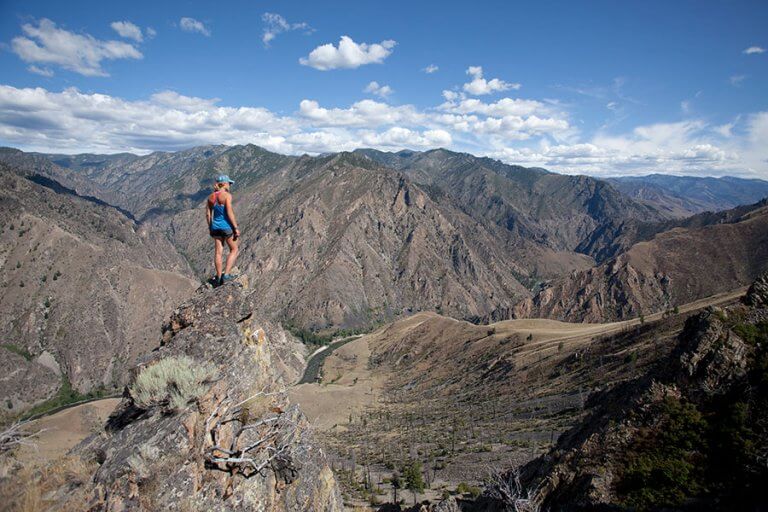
(208,212)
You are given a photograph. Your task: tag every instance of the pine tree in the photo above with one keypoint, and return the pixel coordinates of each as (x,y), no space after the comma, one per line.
(414,480)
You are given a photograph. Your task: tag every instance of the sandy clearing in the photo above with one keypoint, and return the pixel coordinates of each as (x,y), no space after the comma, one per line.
(67,428)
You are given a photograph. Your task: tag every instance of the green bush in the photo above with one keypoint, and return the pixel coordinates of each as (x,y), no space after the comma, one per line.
(665,469)
(174,380)
(752,333)
(64,396)
(465,488)
(22,351)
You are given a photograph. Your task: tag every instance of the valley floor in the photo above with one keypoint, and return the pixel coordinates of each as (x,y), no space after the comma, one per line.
(411,390)
(458,397)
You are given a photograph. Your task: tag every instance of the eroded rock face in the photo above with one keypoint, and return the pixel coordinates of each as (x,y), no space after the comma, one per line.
(712,356)
(757,295)
(239,446)
(676,267)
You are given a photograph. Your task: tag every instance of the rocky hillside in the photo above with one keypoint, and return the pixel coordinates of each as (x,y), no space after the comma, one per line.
(690,434)
(682,196)
(564,213)
(349,243)
(672,268)
(83,289)
(204,424)
(351,239)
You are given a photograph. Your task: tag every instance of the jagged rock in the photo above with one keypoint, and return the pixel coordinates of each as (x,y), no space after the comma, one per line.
(446,505)
(712,355)
(757,295)
(239,446)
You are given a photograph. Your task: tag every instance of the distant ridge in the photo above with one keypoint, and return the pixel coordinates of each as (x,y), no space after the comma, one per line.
(681,196)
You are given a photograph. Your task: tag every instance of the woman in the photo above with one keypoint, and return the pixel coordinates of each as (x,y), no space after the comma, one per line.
(223,227)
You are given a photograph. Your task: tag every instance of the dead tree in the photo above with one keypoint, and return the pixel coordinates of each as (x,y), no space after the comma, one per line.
(238,445)
(507,489)
(17,435)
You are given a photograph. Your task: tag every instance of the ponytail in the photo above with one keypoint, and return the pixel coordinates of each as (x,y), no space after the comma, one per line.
(219,186)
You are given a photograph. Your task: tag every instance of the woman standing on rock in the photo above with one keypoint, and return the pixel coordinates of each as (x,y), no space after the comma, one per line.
(223,227)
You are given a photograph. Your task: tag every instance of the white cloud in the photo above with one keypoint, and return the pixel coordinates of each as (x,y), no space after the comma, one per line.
(127,30)
(525,132)
(348,54)
(737,79)
(275,24)
(398,137)
(432,68)
(45,43)
(40,71)
(479,85)
(151,33)
(362,113)
(503,107)
(754,50)
(452,95)
(381,91)
(193,25)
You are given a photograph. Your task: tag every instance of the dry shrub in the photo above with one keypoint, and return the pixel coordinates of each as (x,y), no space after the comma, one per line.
(174,381)
(63,481)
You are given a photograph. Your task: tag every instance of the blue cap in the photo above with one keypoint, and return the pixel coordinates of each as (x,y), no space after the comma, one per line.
(223,178)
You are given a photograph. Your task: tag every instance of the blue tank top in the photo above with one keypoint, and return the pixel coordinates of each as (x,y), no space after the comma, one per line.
(220,219)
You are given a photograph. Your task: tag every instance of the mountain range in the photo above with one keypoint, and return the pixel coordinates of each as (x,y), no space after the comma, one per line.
(355,239)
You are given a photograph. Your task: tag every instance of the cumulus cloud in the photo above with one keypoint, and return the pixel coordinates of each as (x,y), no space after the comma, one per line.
(398,137)
(275,24)
(127,30)
(754,50)
(381,91)
(519,131)
(479,85)
(193,25)
(348,54)
(361,113)
(71,120)
(432,68)
(45,43)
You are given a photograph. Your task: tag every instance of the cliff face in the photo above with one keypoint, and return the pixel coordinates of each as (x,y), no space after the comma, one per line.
(226,440)
(84,292)
(689,435)
(674,267)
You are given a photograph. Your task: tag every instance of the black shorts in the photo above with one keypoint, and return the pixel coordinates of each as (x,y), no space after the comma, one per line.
(221,233)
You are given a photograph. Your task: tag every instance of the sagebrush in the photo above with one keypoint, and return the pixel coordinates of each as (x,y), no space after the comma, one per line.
(174,381)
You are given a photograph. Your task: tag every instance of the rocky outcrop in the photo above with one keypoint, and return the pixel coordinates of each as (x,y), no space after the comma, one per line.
(757,295)
(232,443)
(683,435)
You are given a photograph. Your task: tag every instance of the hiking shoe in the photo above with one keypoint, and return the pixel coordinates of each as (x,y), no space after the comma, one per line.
(214,281)
(226,277)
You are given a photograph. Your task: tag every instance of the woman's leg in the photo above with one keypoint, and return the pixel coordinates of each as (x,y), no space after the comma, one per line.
(232,254)
(217,253)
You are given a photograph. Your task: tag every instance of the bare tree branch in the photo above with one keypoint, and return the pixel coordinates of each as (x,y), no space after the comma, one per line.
(17,435)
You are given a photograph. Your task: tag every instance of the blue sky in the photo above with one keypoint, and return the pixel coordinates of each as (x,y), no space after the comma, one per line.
(602,88)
